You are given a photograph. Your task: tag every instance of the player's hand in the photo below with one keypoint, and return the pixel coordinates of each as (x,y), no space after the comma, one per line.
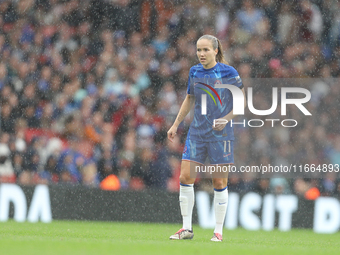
(219,125)
(171,133)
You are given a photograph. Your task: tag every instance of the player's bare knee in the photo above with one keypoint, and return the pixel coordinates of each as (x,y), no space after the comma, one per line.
(185,179)
(218,183)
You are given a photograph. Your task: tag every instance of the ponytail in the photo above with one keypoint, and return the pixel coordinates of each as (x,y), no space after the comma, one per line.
(216,45)
(220,57)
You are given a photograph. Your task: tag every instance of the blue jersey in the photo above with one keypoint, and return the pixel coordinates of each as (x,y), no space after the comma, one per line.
(219,100)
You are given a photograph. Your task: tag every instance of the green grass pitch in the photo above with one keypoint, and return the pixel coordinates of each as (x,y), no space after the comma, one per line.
(79,237)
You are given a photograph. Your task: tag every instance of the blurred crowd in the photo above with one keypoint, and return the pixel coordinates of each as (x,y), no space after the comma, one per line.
(89,88)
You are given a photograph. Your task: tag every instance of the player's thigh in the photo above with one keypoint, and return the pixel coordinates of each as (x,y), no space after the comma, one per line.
(194,155)
(188,172)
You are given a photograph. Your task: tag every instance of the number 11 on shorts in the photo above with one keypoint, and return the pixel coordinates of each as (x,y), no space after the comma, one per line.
(225,146)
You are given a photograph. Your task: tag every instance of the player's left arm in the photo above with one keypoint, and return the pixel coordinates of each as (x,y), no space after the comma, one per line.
(220,125)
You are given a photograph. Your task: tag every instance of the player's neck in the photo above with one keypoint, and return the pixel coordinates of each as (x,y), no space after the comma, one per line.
(210,65)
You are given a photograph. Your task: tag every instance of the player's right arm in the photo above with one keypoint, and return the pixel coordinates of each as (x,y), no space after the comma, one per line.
(185,109)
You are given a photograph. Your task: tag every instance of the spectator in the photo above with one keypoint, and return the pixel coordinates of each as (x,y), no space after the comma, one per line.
(50,171)
(160,43)
(18,164)
(89,175)
(249,17)
(71,163)
(7,120)
(262,187)
(106,165)
(6,168)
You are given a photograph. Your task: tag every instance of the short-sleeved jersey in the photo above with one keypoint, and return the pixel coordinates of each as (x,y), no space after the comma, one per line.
(219,101)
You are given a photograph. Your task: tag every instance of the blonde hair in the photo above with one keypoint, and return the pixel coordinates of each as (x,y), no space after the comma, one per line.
(216,45)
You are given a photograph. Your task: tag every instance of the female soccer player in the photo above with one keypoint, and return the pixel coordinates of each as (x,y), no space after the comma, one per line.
(207,137)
